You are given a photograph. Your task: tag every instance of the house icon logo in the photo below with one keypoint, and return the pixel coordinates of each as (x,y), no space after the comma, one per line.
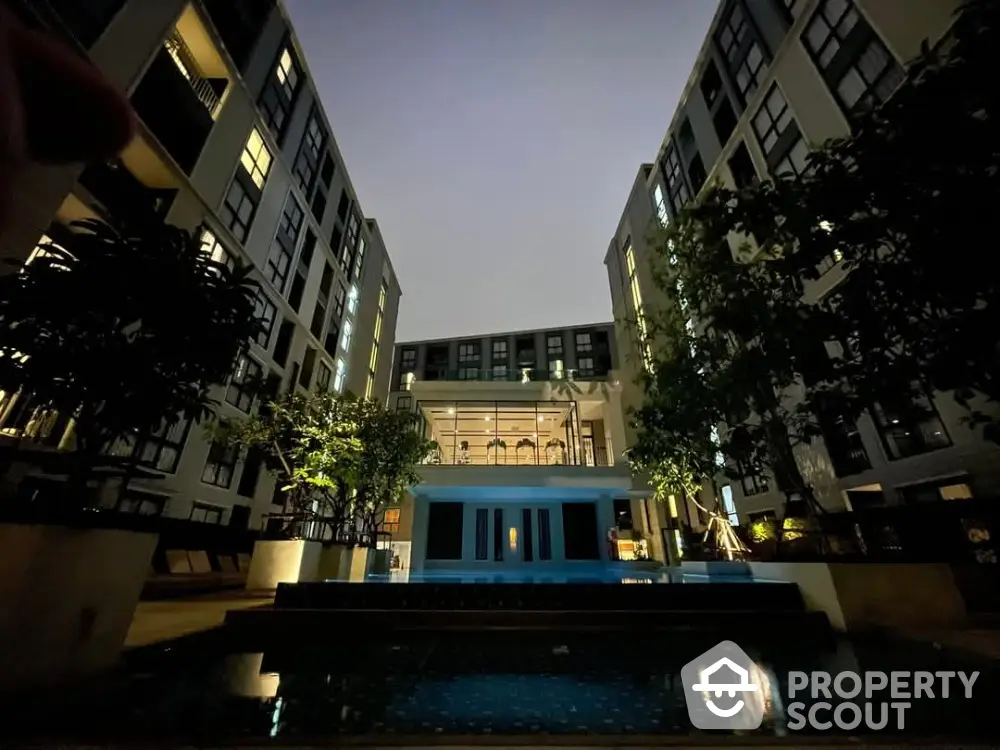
(720,691)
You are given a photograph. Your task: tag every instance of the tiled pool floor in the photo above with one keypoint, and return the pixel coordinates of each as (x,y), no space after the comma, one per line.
(488,683)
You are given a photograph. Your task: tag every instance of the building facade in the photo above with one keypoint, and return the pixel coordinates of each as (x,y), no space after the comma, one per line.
(773,79)
(233,143)
(529,472)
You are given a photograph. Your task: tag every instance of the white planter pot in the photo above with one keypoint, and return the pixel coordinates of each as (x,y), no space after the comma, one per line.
(67,599)
(362,559)
(283,561)
(334,562)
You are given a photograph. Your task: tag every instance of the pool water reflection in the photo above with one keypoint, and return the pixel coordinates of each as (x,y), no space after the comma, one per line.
(498,682)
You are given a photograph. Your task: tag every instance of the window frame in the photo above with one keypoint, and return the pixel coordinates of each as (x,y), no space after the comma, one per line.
(258,175)
(220,462)
(240,390)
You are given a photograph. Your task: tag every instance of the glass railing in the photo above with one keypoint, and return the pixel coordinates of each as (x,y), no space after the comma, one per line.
(525,455)
(521,374)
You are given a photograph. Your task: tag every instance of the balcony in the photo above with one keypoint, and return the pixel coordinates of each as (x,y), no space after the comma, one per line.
(516,433)
(505,375)
(124,196)
(183,90)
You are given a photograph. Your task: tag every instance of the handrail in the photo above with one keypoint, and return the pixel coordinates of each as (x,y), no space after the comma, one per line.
(185,61)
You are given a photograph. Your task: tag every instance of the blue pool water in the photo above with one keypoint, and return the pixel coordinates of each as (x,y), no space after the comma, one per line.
(216,689)
(611,573)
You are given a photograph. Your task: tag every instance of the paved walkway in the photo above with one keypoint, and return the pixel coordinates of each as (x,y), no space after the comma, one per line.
(164,620)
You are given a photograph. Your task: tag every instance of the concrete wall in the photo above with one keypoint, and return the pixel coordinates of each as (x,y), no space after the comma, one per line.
(67,597)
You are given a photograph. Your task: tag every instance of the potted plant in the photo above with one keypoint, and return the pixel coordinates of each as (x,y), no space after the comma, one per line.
(463,452)
(494,444)
(92,327)
(524,443)
(390,453)
(311,446)
(555,451)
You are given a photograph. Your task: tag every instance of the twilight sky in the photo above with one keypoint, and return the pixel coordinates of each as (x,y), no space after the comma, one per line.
(496,140)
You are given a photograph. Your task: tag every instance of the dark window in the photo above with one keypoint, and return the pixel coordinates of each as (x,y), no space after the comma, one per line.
(528,542)
(244,383)
(266,312)
(251,473)
(319,205)
(468,360)
(554,350)
(283,247)
(499,359)
(161,450)
(854,61)
(336,239)
(778,133)
(437,362)
(444,531)
(307,162)
(280,90)
(338,300)
(343,206)
(347,251)
(404,404)
(711,83)
(359,259)
(323,376)
(544,535)
(482,533)
(623,514)
(524,351)
(909,427)
(754,483)
(844,445)
(220,465)
(238,209)
(724,119)
(498,534)
(676,187)
(326,173)
(696,172)
(585,366)
(284,342)
(332,337)
(204,513)
(407,365)
(741,50)
(308,364)
(741,167)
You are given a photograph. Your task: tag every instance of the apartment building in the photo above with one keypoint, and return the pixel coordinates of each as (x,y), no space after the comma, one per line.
(232,142)
(529,473)
(773,79)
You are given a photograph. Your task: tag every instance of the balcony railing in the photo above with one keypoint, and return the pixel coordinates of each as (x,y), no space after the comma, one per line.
(203,88)
(555,455)
(523,375)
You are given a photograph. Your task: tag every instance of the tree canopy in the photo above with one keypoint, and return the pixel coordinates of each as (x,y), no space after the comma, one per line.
(124,328)
(337,458)
(756,345)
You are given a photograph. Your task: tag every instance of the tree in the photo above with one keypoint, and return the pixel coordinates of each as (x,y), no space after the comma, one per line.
(392,449)
(919,307)
(736,371)
(126,328)
(310,443)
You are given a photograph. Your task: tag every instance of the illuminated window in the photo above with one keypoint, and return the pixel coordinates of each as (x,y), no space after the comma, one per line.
(216,250)
(345,339)
(660,205)
(339,377)
(729,505)
(287,72)
(376,340)
(640,317)
(391,521)
(352,300)
(256,159)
